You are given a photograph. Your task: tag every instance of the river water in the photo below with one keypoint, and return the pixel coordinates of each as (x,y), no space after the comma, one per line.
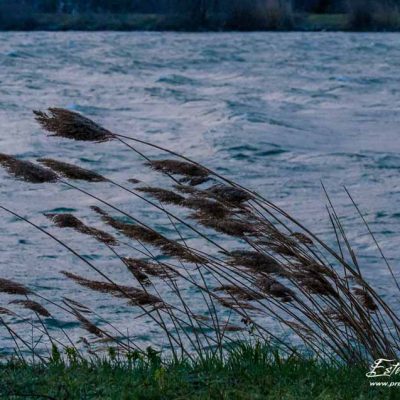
(277,112)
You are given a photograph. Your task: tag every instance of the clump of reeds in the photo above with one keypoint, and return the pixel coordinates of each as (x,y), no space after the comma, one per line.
(271,268)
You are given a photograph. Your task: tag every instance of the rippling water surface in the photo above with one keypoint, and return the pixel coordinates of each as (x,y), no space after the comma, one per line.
(278,112)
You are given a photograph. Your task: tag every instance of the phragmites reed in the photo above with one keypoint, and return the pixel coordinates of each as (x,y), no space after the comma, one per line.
(240,292)
(150,236)
(34,306)
(88,325)
(274,288)
(71,125)
(134,295)
(72,171)
(163,195)
(11,287)
(229,194)
(6,311)
(226,250)
(70,221)
(255,260)
(26,170)
(192,173)
(150,268)
(366,299)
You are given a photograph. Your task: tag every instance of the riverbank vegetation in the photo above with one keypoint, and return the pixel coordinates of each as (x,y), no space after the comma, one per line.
(223,265)
(249,372)
(200,15)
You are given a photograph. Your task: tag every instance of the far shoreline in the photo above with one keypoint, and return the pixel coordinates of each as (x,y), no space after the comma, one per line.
(175,23)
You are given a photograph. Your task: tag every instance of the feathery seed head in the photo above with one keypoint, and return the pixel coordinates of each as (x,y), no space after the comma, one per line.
(71,125)
(26,170)
(72,171)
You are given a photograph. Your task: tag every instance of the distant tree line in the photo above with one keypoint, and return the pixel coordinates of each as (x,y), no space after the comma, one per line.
(168,6)
(173,6)
(224,14)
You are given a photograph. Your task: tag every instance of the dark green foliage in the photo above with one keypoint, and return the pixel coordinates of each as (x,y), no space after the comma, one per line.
(249,372)
(194,15)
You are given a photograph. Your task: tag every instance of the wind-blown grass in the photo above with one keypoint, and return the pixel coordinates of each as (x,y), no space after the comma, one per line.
(249,372)
(274,268)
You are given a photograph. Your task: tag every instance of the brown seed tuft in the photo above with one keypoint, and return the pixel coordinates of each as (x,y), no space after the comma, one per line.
(229,194)
(176,167)
(147,235)
(134,295)
(32,305)
(228,226)
(149,268)
(163,195)
(72,171)
(5,311)
(70,221)
(71,125)
(240,292)
(276,289)
(236,304)
(11,287)
(88,325)
(317,284)
(77,305)
(205,207)
(26,170)
(197,180)
(302,238)
(254,260)
(366,299)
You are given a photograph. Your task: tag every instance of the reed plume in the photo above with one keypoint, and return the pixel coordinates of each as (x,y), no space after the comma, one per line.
(26,170)
(11,287)
(72,171)
(228,194)
(71,125)
(176,167)
(255,260)
(70,221)
(6,311)
(34,306)
(149,236)
(88,325)
(134,295)
(276,289)
(240,292)
(163,195)
(366,299)
(149,268)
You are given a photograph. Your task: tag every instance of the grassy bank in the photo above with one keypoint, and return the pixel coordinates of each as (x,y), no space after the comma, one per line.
(248,373)
(159,22)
